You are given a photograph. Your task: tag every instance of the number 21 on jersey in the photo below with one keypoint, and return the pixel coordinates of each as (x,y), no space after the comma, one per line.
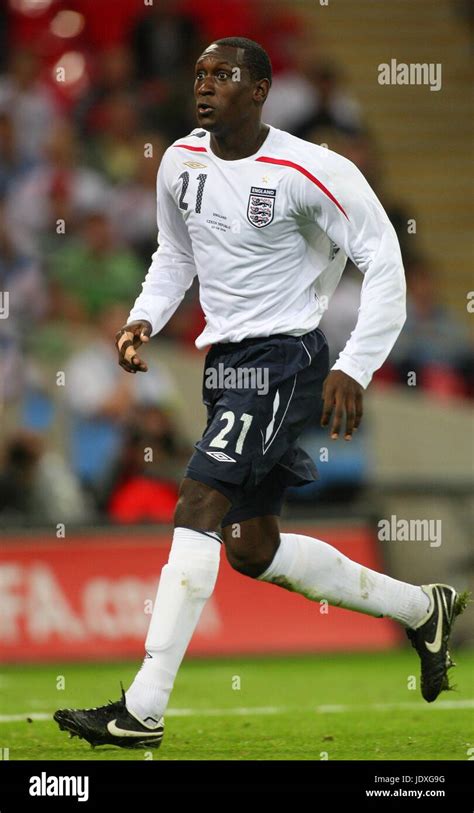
(184,178)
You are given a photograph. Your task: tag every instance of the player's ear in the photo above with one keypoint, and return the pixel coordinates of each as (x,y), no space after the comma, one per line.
(261,90)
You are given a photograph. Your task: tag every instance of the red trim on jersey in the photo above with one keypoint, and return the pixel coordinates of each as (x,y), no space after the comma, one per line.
(193,149)
(307,174)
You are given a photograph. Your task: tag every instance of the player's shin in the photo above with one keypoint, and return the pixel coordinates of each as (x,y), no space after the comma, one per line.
(186,582)
(318,571)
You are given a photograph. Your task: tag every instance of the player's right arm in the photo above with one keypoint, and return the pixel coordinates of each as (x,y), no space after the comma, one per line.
(169,276)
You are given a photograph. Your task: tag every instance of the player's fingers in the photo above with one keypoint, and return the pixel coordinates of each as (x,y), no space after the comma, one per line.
(338,415)
(126,366)
(138,364)
(130,355)
(328,403)
(350,417)
(124,338)
(127,343)
(359,410)
(128,351)
(132,358)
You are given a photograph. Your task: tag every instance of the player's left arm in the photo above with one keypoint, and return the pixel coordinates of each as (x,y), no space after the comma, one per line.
(353,217)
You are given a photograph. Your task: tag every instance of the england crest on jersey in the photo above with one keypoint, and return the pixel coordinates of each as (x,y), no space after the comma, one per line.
(261,206)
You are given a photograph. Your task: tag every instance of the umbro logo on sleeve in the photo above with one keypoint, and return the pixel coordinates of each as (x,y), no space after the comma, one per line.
(222,457)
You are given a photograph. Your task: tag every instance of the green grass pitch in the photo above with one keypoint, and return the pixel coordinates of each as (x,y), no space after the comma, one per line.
(311,707)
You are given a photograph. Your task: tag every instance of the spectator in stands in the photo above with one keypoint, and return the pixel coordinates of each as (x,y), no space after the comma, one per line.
(24,301)
(21,278)
(332,105)
(165,42)
(13,163)
(118,147)
(433,344)
(95,386)
(115,74)
(36,486)
(28,101)
(230,15)
(310,97)
(100,401)
(133,205)
(44,205)
(92,270)
(142,484)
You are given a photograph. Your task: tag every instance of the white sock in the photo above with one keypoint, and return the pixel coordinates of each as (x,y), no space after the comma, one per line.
(319,571)
(186,582)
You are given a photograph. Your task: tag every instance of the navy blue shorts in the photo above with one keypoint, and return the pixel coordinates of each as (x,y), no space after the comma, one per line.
(260,394)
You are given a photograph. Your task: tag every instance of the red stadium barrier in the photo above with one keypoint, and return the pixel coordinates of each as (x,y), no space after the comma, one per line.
(90,597)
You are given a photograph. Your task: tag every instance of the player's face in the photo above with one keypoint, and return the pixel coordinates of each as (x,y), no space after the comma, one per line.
(224,92)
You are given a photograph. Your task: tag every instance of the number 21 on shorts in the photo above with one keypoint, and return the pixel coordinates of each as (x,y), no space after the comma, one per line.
(219,441)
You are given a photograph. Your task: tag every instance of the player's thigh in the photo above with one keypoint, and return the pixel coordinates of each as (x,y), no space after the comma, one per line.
(200,505)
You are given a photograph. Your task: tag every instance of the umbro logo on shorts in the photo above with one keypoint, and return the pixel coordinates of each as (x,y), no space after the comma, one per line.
(222,457)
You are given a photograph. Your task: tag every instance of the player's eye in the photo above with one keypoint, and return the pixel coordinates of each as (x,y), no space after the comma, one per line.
(222,75)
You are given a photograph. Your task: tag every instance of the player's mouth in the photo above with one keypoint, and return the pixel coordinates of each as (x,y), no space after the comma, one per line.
(204,109)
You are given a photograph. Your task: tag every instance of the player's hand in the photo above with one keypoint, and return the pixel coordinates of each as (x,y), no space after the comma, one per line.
(127,341)
(342,396)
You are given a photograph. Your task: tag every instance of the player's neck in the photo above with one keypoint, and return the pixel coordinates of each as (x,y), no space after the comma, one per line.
(240,143)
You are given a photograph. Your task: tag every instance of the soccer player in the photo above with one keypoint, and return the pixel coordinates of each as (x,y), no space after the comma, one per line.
(266,221)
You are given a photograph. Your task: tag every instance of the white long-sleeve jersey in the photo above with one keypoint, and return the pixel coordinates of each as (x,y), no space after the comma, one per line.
(268,237)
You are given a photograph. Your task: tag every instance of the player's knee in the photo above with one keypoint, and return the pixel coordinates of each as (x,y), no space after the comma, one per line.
(251,565)
(253,548)
(249,558)
(199,506)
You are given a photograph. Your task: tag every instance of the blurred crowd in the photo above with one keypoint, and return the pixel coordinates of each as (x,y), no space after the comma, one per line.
(89,101)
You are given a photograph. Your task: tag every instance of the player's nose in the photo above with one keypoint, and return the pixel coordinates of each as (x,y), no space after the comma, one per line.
(206,87)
